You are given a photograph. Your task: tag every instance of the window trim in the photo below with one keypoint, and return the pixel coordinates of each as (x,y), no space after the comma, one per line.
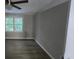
(14,30)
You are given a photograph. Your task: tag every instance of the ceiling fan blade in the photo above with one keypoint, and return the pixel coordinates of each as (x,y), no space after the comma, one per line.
(15,6)
(18,2)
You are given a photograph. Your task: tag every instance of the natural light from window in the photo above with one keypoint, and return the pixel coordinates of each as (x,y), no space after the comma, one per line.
(14,24)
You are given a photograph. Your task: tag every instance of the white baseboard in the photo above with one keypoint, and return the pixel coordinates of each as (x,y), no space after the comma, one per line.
(19,37)
(45,50)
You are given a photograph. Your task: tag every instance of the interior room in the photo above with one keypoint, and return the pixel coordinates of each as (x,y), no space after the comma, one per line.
(36,29)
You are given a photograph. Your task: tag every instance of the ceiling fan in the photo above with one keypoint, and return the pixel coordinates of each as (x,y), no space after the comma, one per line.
(12,4)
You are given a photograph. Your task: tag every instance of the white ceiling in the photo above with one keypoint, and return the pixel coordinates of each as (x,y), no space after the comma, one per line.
(34,6)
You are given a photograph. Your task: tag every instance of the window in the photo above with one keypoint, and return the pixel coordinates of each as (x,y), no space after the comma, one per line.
(9,24)
(14,24)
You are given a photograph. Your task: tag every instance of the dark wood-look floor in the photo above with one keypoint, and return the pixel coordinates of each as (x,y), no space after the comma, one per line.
(23,49)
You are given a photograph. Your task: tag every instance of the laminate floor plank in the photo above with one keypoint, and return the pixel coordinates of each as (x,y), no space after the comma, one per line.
(23,49)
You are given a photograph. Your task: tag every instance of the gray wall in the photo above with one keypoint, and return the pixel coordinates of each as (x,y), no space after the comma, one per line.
(27,27)
(50,29)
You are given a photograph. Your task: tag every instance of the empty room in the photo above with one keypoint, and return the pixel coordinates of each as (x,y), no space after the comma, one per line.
(37,29)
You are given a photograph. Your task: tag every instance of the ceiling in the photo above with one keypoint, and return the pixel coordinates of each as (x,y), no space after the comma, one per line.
(34,6)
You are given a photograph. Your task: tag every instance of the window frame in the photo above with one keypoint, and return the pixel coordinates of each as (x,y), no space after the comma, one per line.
(14,25)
